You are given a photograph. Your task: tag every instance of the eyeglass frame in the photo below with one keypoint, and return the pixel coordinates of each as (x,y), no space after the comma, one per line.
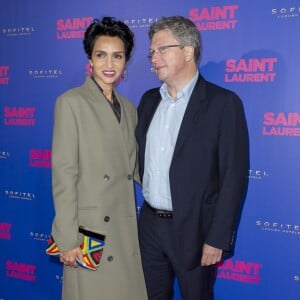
(162,50)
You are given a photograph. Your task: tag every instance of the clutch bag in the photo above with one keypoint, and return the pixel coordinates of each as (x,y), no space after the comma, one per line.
(91,247)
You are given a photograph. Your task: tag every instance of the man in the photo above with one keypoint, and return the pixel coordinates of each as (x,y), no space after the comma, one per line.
(193,144)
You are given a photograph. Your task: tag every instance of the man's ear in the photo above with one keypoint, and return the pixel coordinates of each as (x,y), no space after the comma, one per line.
(189,52)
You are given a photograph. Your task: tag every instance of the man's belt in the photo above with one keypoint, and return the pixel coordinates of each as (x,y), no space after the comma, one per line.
(160,212)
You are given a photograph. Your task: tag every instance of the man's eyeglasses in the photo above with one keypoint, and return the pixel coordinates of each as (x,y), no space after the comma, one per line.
(161,50)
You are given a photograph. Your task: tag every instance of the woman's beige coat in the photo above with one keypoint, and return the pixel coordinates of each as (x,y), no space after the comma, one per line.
(93,163)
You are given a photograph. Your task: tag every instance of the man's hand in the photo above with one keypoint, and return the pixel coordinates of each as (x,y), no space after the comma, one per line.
(68,258)
(210,255)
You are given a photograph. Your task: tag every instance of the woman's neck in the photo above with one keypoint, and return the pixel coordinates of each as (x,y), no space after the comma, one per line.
(107,90)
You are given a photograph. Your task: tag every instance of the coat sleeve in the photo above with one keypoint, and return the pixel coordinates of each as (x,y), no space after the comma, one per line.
(233,163)
(65,176)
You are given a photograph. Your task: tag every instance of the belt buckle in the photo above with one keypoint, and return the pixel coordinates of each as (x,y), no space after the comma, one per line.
(164,214)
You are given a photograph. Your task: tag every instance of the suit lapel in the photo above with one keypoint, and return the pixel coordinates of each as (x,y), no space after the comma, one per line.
(190,118)
(191,114)
(155,100)
(153,109)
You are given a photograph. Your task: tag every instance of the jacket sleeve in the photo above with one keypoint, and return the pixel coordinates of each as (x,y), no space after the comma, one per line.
(233,162)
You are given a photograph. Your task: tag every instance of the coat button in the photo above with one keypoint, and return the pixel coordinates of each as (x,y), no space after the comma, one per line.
(106,177)
(129,177)
(106,218)
(110,258)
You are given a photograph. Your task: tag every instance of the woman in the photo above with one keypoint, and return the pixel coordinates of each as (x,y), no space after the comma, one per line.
(94,162)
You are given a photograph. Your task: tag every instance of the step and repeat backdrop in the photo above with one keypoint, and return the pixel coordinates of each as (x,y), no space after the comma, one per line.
(250,47)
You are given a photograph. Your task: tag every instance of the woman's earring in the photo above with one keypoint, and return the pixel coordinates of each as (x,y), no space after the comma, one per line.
(124,75)
(88,69)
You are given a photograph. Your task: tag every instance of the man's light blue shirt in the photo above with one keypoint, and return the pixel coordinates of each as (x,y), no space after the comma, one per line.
(161,139)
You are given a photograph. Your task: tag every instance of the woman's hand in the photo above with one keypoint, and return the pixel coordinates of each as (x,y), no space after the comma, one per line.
(68,258)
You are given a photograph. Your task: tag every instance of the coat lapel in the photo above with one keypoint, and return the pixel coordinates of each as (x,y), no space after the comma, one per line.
(121,128)
(94,94)
(124,125)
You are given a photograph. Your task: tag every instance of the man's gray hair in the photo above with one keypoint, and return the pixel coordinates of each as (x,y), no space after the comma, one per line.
(184,31)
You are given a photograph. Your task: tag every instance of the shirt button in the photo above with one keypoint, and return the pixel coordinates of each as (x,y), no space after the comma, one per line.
(106,219)
(106,177)
(110,258)
(129,177)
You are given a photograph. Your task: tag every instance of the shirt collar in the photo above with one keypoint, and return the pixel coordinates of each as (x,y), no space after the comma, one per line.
(185,93)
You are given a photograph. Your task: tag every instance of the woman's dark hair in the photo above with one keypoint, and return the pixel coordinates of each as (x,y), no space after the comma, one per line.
(108,26)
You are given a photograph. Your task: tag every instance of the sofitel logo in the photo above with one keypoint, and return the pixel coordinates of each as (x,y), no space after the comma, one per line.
(5,231)
(237,270)
(18,31)
(277,227)
(257,174)
(140,22)
(58,278)
(286,12)
(214,18)
(19,116)
(45,73)
(281,124)
(138,209)
(72,28)
(250,70)
(39,236)
(20,270)
(4,154)
(4,74)
(40,158)
(19,195)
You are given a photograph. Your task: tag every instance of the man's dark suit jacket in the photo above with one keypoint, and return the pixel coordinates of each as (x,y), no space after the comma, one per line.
(209,168)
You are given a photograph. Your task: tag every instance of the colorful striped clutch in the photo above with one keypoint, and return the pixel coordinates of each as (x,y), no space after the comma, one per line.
(92,248)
